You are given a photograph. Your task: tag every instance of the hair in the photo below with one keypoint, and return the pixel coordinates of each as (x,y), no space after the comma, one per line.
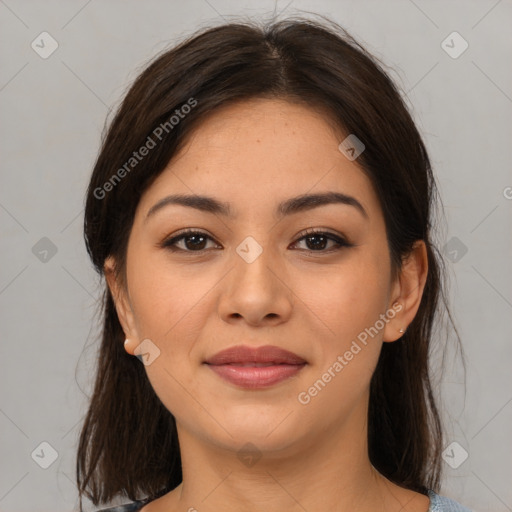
(128,443)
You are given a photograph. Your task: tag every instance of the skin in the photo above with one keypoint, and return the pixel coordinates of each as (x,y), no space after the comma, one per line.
(191,305)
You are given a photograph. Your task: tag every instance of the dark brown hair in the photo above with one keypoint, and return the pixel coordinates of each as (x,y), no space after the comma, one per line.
(128,444)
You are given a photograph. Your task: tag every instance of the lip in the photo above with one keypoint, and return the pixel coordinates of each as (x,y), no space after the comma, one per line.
(254,368)
(243,354)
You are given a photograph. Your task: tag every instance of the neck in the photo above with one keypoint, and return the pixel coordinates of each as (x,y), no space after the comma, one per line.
(327,472)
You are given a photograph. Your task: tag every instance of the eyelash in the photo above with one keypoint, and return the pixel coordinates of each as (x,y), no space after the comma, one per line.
(341,242)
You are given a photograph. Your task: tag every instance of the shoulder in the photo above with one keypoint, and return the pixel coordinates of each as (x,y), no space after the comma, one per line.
(442,504)
(134,506)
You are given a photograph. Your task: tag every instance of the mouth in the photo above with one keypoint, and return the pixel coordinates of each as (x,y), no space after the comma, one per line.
(254,368)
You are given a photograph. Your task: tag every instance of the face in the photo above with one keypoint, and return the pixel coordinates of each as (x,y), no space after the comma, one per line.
(311,278)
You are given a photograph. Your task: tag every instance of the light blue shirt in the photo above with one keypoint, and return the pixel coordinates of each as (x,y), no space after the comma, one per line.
(442,504)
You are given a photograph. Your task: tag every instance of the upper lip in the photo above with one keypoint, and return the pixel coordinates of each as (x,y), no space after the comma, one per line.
(245,354)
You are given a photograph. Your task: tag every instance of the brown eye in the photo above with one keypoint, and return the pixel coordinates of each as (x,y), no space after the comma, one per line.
(317,241)
(191,241)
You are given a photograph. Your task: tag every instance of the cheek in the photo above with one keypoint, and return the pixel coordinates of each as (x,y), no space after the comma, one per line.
(349,301)
(171,303)
(170,307)
(347,298)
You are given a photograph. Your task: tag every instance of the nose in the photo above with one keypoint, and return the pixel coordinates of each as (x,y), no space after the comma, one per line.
(256,291)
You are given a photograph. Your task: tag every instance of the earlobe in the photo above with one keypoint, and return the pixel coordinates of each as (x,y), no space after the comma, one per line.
(121,301)
(408,291)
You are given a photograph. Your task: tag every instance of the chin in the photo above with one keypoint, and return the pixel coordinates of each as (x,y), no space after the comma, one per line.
(267,432)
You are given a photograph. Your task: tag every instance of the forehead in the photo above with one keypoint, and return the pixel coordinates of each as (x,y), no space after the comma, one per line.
(259,152)
(265,127)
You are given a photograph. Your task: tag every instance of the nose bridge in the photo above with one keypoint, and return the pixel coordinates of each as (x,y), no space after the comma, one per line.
(253,263)
(256,291)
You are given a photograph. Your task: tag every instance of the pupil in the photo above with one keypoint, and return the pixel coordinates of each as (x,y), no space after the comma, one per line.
(321,245)
(199,240)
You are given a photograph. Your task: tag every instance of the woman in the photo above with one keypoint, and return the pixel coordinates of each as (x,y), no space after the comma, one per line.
(261,212)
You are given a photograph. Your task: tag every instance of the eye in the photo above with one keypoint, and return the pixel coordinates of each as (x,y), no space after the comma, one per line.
(190,240)
(316,241)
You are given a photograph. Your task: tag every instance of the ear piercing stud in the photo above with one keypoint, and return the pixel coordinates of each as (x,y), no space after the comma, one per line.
(401,331)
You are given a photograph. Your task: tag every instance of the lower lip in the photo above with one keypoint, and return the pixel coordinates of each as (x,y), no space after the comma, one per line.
(254,377)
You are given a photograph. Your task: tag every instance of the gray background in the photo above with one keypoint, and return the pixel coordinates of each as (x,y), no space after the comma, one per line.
(53,111)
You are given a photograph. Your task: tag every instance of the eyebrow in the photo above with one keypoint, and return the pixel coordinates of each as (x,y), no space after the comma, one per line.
(290,206)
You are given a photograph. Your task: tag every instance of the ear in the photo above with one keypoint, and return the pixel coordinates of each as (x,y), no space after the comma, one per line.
(407,291)
(122,304)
